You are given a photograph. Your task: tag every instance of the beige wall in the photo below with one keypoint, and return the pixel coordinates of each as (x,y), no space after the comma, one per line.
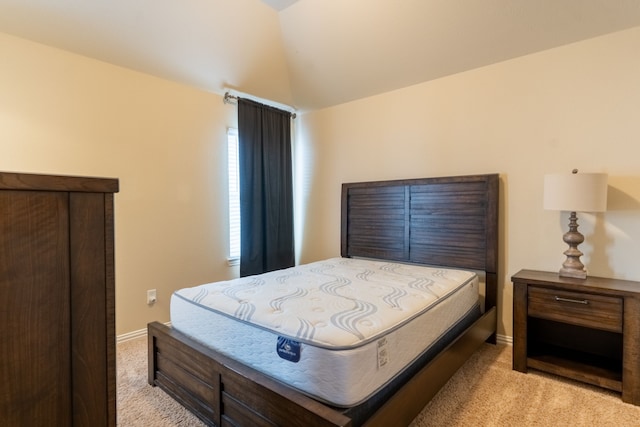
(66,114)
(576,106)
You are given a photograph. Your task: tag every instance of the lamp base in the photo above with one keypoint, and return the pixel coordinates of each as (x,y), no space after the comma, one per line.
(575,273)
(572,267)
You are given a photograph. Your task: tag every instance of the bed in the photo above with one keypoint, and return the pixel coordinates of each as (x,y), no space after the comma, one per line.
(449,224)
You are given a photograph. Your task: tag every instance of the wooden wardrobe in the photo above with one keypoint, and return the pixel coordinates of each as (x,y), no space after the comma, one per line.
(57,301)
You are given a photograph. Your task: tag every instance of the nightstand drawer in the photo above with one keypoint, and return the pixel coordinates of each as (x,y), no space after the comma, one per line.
(582,309)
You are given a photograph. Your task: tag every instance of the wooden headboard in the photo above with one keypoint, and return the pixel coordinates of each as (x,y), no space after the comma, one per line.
(445,221)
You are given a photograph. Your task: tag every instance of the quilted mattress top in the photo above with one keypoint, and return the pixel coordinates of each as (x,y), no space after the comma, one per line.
(337,303)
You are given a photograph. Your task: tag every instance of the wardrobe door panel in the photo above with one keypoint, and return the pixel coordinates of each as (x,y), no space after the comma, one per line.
(35,374)
(88,308)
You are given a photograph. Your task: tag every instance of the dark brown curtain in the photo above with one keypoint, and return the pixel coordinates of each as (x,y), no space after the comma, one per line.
(266,188)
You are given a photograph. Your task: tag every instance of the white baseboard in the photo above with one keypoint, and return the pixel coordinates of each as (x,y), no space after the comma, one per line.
(135,334)
(504,339)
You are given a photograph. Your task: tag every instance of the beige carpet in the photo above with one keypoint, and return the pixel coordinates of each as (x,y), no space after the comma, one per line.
(484,392)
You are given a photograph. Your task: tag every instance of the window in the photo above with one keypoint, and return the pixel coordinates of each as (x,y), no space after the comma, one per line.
(234,197)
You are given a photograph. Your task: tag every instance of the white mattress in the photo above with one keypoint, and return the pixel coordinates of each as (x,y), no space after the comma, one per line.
(346,326)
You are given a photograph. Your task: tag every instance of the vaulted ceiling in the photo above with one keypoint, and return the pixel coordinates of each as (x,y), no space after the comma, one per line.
(311,53)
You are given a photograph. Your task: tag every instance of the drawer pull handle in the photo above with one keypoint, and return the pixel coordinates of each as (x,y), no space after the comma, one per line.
(575,301)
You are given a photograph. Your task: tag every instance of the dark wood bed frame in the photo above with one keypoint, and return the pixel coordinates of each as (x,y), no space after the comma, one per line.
(446,221)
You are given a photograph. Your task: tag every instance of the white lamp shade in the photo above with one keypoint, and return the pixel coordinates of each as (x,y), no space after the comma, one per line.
(576,192)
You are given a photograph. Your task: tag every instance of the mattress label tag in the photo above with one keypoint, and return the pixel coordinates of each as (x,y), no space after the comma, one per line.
(288,349)
(383,352)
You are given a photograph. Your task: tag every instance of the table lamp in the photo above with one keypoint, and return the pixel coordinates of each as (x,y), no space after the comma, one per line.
(575,192)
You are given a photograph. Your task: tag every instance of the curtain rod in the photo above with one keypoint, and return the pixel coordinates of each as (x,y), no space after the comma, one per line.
(233,99)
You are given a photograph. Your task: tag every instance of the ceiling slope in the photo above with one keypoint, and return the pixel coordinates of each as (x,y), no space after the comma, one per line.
(340,51)
(208,44)
(312,53)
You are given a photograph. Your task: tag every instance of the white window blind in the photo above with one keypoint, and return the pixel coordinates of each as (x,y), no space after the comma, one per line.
(234,197)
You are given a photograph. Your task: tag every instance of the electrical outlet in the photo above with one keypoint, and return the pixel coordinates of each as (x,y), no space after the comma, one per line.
(151,296)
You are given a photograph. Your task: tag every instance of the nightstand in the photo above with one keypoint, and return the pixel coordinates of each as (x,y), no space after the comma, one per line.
(584,329)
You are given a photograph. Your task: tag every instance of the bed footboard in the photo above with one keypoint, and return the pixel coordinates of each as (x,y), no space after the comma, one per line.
(221,391)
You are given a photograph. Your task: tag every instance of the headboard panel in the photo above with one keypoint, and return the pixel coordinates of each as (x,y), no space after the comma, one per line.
(448,221)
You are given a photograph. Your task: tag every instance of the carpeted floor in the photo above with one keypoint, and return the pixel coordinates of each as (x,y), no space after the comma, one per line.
(139,404)
(484,392)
